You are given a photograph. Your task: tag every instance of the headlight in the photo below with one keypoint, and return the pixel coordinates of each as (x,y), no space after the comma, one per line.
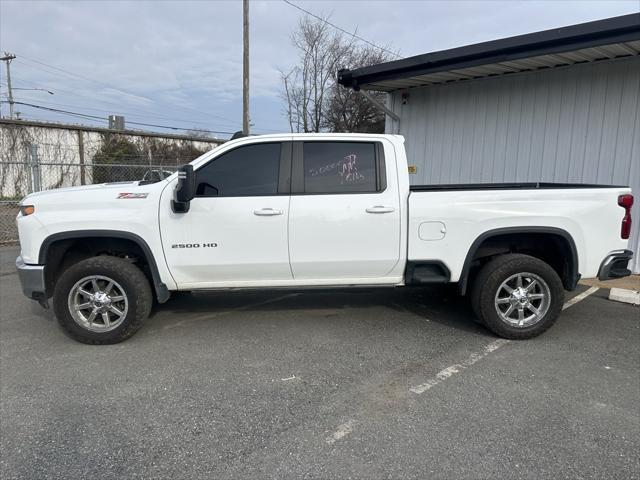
(27,209)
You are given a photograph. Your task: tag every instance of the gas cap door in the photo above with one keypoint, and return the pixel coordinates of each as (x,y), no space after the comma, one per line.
(430,231)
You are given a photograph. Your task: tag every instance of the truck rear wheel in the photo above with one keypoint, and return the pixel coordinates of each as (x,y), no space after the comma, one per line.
(102,300)
(517,296)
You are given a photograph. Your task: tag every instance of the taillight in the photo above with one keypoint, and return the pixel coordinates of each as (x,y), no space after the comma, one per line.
(626,201)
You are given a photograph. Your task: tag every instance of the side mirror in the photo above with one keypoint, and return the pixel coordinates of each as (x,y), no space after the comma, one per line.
(185,189)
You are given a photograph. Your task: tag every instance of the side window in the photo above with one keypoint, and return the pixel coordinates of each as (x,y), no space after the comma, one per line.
(339,167)
(245,171)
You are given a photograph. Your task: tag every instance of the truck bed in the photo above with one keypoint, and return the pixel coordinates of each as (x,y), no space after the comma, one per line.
(445,220)
(505,186)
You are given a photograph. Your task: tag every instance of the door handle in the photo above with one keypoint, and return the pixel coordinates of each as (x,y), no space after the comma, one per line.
(267,212)
(380,209)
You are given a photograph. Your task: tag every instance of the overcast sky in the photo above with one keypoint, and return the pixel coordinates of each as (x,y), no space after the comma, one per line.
(179,63)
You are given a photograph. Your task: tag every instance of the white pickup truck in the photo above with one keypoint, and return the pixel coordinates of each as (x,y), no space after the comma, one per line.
(315,210)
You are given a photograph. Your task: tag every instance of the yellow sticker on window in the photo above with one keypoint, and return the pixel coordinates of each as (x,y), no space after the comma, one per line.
(413,169)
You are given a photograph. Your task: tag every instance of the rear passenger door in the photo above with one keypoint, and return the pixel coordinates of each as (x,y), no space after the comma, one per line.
(344,221)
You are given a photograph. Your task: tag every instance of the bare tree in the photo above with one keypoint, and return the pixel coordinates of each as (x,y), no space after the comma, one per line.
(308,84)
(314,101)
(348,110)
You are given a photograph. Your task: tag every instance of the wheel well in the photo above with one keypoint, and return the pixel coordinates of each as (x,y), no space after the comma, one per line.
(555,248)
(63,253)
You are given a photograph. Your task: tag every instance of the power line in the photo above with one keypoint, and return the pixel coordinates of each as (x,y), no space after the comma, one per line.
(342,29)
(113,87)
(67,112)
(28,82)
(127,114)
(180,129)
(67,72)
(84,115)
(44,117)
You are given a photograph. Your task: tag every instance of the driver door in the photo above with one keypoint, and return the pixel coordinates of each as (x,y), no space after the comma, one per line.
(235,232)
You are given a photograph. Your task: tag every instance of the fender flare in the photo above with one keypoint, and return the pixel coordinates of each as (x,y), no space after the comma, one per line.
(162,292)
(572,275)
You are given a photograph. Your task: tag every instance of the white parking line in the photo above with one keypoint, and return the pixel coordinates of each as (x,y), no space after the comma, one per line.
(450,371)
(342,431)
(579,297)
(446,373)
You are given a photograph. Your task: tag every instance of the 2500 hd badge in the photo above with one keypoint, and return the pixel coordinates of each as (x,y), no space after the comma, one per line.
(194,245)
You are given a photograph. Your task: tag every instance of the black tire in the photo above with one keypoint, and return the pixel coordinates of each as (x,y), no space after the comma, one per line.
(135,287)
(489,280)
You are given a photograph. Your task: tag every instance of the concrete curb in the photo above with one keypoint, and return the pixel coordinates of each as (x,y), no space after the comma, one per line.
(625,296)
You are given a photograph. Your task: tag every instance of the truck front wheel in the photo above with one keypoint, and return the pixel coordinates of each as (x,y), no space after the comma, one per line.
(517,296)
(102,300)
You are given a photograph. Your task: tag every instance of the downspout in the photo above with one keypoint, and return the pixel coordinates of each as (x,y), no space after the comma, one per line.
(395,124)
(345,78)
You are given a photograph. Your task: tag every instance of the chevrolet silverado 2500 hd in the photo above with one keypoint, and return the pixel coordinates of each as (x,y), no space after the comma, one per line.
(314,210)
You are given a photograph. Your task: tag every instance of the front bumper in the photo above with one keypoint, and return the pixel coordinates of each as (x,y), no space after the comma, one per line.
(32,281)
(615,265)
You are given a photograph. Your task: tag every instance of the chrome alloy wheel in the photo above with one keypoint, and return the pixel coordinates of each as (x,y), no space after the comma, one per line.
(98,303)
(522,299)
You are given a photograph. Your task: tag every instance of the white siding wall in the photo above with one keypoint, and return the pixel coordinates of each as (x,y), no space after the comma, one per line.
(573,124)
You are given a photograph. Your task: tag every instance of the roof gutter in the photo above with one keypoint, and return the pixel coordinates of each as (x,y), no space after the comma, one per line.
(575,37)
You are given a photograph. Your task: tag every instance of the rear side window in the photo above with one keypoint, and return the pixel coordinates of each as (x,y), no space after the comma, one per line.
(340,167)
(245,171)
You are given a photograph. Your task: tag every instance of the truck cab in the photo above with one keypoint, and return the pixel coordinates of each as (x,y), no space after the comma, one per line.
(258,218)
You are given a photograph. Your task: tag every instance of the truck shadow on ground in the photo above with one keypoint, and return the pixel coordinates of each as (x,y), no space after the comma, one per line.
(438,304)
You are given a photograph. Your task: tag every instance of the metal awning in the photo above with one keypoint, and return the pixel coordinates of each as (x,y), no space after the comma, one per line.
(588,42)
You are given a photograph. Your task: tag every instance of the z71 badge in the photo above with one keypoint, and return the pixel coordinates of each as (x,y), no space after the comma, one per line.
(128,195)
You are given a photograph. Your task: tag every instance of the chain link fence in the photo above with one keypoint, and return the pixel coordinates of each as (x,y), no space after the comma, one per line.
(36,159)
(31,177)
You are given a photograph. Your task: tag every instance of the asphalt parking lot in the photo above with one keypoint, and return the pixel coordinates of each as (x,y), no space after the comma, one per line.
(363,384)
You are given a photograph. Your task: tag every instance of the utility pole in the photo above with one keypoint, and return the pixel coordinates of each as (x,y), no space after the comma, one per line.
(7,58)
(245,67)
